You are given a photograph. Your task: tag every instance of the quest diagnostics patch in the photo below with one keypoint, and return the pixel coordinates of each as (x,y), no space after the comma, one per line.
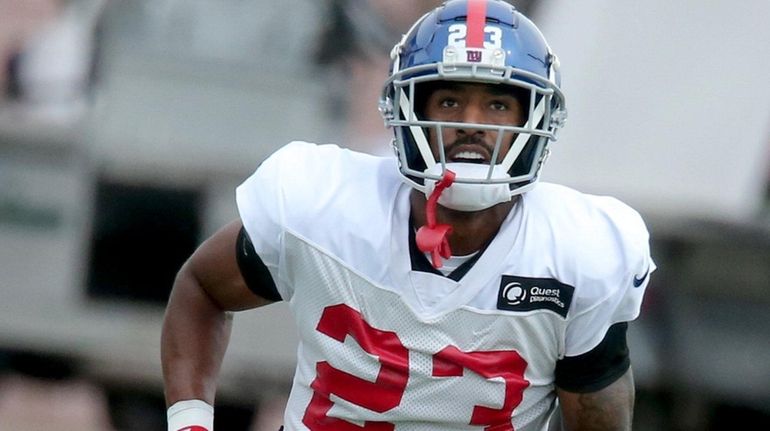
(528,294)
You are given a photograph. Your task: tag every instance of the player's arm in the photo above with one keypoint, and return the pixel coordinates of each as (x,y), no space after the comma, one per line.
(608,409)
(197,323)
(596,389)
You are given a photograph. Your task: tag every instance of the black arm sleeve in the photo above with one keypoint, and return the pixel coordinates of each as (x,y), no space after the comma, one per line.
(255,273)
(597,369)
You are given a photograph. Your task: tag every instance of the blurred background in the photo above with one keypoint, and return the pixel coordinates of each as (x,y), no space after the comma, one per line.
(125,126)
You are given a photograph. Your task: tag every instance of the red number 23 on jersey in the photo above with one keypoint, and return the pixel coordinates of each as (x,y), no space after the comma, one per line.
(386,391)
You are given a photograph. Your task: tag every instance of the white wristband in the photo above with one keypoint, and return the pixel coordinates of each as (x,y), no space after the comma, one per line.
(190,415)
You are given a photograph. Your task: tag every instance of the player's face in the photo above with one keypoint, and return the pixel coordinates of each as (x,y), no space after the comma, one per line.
(473,103)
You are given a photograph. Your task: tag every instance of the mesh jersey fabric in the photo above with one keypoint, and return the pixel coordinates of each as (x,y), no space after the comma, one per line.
(332,226)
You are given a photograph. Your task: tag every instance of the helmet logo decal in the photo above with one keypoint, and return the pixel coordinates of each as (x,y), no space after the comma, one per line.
(458,37)
(477,18)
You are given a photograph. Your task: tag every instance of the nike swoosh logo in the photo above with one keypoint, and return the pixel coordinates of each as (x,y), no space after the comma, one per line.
(639,280)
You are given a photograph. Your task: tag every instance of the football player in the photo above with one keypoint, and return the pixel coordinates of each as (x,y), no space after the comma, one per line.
(441,289)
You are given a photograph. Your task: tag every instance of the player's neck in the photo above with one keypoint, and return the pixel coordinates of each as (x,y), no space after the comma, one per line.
(471,231)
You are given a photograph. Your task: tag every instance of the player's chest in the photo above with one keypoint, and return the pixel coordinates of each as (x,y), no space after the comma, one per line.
(384,360)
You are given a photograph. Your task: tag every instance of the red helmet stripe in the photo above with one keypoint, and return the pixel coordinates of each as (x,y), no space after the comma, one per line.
(477,18)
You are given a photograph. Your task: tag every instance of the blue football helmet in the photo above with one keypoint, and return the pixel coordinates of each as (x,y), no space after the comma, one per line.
(477,41)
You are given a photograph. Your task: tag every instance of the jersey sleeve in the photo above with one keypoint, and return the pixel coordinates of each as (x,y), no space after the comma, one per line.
(262,206)
(314,194)
(612,287)
(597,368)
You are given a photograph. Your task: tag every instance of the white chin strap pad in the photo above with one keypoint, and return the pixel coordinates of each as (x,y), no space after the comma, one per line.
(464,196)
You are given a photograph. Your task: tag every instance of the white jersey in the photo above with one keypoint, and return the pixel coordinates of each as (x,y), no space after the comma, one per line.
(385,347)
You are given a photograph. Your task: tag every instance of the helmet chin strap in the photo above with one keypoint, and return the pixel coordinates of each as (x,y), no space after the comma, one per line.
(470,196)
(433,237)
